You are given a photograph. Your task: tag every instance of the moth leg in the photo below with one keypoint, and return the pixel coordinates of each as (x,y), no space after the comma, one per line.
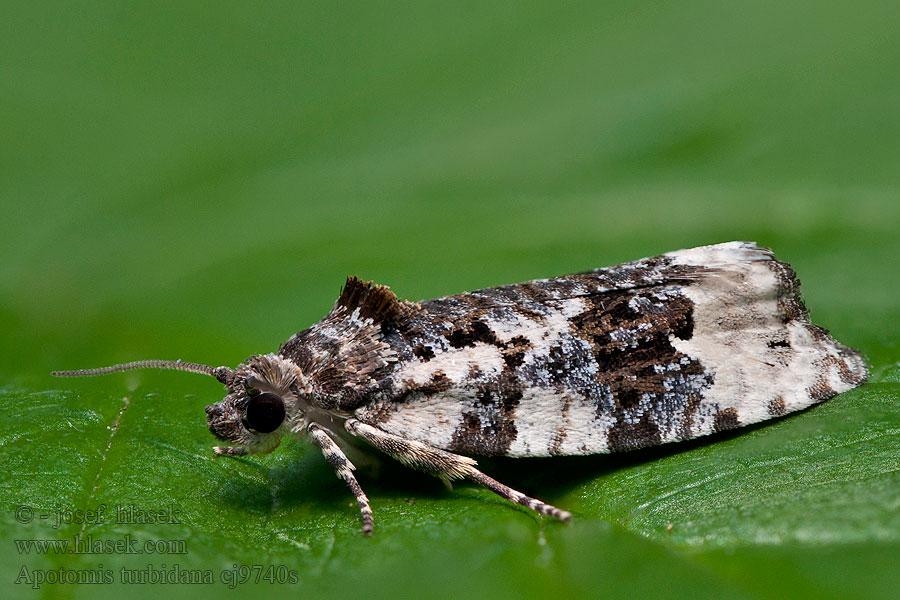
(518,497)
(229,451)
(239,451)
(344,469)
(445,465)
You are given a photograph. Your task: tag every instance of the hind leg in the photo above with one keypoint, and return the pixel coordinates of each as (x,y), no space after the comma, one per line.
(445,465)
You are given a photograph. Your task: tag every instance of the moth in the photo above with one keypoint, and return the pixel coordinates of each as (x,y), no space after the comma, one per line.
(658,350)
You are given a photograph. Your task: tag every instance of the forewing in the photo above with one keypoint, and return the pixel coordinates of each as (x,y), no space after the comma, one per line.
(664,349)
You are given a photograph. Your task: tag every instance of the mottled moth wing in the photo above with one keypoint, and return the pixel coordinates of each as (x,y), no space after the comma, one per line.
(658,350)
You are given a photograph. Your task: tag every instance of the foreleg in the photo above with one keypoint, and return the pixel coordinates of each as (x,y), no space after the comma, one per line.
(229,451)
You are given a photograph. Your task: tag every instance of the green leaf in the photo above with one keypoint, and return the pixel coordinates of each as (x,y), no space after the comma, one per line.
(196,181)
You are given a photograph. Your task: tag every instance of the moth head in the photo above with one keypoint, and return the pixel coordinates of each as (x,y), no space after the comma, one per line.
(262,403)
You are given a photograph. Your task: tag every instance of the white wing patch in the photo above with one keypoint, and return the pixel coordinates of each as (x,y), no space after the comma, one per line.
(551,423)
(759,362)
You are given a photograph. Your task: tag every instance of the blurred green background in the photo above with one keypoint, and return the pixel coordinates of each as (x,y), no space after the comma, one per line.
(195,180)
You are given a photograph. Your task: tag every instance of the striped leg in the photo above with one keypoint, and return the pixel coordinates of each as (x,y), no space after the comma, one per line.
(518,497)
(229,451)
(445,465)
(344,469)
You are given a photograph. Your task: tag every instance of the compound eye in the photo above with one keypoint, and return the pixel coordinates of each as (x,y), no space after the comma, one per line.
(265,412)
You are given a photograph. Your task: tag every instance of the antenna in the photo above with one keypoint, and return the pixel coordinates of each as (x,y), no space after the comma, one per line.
(223,374)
